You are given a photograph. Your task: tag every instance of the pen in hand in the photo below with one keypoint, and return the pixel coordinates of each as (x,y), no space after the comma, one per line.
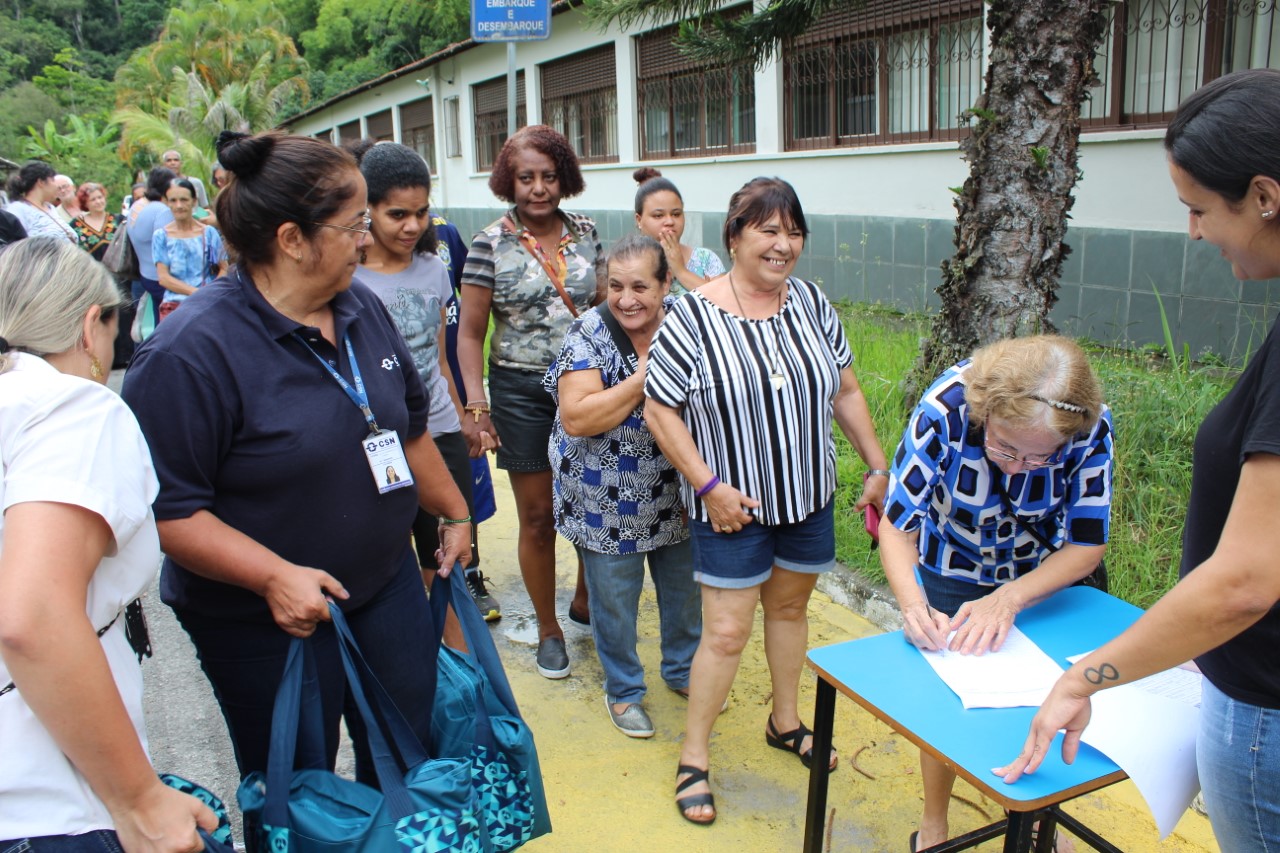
(936,637)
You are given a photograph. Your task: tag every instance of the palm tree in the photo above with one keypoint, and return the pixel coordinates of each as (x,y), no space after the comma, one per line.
(217,66)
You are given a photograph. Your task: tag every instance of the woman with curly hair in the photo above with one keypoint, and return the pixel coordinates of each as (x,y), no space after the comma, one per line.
(95,226)
(535,269)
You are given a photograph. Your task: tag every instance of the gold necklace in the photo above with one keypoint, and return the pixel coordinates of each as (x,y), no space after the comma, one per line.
(776,378)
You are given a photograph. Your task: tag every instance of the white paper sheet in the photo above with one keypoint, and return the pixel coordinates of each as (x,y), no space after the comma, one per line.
(1153,739)
(1019,675)
(1149,728)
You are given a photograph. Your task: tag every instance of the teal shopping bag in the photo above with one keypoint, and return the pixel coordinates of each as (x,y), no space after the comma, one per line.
(426,805)
(475,717)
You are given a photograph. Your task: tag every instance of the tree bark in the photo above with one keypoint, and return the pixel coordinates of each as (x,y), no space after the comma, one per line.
(1003,279)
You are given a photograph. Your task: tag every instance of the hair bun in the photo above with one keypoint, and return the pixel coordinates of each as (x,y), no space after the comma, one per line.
(360,147)
(645,173)
(242,154)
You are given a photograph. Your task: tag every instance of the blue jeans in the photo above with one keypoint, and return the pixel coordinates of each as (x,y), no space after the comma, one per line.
(98,841)
(244,662)
(1239,771)
(614,583)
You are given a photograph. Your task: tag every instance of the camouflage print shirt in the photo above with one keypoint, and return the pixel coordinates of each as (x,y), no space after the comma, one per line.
(529,317)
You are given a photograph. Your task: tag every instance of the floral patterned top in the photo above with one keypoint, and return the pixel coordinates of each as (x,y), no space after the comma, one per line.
(529,317)
(703,262)
(614,493)
(92,240)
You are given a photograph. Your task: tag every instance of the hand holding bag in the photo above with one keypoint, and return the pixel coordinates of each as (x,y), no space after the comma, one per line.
(475,717)
(425,804)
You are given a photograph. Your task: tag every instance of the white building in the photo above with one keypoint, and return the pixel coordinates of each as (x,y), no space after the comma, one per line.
(862,117)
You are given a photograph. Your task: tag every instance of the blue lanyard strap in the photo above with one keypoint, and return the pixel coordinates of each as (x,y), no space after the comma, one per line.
(357,394)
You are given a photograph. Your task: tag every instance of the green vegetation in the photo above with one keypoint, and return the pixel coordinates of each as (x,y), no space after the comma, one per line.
(149,75)
(1157,402)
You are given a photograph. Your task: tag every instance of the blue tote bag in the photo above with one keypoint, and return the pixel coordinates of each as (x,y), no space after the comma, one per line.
(475,717)
(426,805)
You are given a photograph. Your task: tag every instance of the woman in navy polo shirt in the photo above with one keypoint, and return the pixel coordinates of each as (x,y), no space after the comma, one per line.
(274,403)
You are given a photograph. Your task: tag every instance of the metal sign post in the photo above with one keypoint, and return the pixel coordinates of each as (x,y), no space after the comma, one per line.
(510,21)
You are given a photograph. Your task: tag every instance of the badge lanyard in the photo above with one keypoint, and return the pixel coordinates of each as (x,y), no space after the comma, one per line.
(382,448)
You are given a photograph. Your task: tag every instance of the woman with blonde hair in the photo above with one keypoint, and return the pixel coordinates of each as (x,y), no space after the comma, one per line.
(77,545)
(999,496)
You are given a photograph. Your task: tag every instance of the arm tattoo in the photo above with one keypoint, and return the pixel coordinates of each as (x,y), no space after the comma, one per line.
(1097,675)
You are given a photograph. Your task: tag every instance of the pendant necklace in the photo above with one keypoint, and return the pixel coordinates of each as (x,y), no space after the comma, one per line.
(776,378)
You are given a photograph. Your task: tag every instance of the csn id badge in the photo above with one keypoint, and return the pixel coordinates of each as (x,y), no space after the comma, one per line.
(386,460)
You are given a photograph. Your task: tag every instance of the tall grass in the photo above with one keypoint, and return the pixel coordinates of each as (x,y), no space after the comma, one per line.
(1157,403)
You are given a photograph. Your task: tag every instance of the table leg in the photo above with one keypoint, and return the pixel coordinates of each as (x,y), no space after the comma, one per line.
(1017,837)
(1045,836)
(824,718)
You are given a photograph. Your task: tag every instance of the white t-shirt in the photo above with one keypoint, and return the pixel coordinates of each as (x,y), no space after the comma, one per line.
(69,440)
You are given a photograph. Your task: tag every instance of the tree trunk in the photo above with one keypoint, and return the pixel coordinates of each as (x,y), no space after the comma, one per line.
(1003,279)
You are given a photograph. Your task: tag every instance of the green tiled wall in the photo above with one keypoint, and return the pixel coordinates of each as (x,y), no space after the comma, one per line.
(1108,285)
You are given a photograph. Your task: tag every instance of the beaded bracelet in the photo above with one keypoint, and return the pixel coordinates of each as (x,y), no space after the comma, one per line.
(711,484)
(466,520)
(476,410)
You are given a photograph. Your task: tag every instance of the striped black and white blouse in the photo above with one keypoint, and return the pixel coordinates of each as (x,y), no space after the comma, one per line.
(756,395)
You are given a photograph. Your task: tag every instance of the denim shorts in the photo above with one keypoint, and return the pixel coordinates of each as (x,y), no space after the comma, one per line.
(746,558)
(98,841)
(522,412)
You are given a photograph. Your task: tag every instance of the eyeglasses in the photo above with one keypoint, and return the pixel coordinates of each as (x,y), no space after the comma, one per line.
(997,455)
(364,221)
(1030,464)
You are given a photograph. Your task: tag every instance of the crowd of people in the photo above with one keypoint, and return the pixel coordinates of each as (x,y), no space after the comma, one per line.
(324,347)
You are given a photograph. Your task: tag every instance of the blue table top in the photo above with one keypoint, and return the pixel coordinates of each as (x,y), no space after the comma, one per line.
(890,678)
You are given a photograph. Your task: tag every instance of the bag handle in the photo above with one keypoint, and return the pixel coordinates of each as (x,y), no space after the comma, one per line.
(390,775)
(297,719)
(479,640)
(554,274)
(443,594)
(630,358)
(285,718)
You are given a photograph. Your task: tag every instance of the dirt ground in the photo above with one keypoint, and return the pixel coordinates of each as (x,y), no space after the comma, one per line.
(611,793)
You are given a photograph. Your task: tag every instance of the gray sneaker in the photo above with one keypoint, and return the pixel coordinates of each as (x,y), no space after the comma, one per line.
(633,722)
(553,660)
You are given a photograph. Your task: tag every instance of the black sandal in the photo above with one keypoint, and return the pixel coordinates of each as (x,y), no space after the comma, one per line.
(696,775)
(790,742)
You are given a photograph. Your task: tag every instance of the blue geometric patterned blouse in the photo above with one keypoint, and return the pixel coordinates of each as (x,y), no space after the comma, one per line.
(942,485)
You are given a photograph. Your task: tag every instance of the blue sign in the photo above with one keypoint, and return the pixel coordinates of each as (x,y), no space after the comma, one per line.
(510,20)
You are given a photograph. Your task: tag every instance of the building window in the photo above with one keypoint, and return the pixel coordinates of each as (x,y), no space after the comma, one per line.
(885,71)
(1160,51)
(380,127)
(491,117)
(580,99)
(349,132)
(687,109)
(452,127)
(418,129)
